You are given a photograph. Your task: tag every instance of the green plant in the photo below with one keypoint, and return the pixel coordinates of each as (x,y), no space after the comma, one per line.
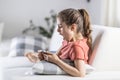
(51,22)
(44,31)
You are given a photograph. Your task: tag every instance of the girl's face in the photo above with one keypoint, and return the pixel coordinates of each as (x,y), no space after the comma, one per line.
(65,30)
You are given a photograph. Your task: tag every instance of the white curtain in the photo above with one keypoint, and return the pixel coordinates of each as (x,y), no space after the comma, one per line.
(112,13)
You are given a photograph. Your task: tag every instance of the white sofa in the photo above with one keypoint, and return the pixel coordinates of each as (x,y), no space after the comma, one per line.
(105,58)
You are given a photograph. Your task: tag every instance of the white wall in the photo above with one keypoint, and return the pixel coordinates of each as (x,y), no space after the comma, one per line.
(17,13)
(94,8)
(98,11)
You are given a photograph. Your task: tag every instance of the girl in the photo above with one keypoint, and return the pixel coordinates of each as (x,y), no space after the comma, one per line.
(74,26)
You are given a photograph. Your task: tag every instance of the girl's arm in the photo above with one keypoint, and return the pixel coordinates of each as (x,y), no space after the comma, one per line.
(77,71)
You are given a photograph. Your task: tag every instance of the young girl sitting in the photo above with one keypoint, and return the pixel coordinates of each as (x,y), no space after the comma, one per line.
(74,26)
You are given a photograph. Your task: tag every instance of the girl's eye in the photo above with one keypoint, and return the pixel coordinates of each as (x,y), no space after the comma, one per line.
(59,26)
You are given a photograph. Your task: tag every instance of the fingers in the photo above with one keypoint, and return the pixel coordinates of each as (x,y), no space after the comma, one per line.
(45,57)
(44,52)
(32,57)
(36,57)
(27,53)
(48,53)
(29,57)
(40,56)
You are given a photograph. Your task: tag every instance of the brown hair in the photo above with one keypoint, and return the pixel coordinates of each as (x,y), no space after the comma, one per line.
(81,18)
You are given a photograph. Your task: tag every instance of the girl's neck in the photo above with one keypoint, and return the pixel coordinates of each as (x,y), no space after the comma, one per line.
(78,37)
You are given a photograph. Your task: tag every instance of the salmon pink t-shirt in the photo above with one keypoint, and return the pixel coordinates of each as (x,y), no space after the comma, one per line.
(74,50)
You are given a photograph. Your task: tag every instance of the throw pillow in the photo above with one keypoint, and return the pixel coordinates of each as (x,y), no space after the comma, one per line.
(44,67)
(21,45)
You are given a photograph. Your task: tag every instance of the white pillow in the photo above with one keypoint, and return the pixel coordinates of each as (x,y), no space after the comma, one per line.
(13,62)
(45,67)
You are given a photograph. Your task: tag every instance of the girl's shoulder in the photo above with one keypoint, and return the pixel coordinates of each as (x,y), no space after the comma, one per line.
(77,42)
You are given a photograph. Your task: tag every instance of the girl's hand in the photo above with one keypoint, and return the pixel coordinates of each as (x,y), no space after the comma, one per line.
(33,57)
(51,57)
(40,55)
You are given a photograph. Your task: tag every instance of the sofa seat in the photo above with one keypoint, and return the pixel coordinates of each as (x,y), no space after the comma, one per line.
(24,74)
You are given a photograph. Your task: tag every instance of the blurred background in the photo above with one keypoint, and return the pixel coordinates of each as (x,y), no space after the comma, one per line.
(17,15)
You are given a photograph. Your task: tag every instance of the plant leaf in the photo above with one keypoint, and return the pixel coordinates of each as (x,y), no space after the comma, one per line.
(44,32)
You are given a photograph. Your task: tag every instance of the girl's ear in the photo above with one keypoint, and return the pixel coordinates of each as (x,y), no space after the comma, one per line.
(73,27)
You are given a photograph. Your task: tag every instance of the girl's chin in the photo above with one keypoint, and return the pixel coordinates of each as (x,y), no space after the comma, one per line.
(65,39)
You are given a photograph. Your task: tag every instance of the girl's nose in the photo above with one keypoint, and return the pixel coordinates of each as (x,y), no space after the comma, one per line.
(59,30)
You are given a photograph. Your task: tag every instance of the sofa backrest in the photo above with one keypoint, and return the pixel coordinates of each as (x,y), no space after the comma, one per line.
(97,33)
(106,51)
(56,41)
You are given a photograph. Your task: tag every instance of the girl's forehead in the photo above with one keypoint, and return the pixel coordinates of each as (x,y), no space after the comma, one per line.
(58,21)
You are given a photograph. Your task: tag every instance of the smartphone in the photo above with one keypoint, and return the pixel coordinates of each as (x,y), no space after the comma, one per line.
(47,52)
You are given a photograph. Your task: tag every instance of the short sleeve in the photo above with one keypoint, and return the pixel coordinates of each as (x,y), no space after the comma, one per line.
(79,53)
